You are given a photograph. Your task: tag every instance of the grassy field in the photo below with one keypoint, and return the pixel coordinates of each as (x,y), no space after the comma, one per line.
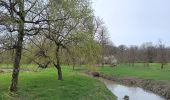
(45,86)
(152,72)
(31,67)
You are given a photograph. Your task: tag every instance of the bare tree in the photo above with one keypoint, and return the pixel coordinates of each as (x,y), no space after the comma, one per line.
(102,35)
(147,53)
(161,54)
(122,53)
(132,55)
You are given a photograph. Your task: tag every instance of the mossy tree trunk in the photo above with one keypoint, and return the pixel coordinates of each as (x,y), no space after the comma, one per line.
(18,49)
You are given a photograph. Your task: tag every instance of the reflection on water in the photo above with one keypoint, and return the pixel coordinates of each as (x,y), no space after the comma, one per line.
(134,93)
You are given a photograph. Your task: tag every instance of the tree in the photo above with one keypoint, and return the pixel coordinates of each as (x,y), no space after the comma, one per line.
(121,53)
(148,53)
(71,29)
(102,36)
(132,54)
(161,54)
(38,51)
(103,42)
(18,19)
(168,54)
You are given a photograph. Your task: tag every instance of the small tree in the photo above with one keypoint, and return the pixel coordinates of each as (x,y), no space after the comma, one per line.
(147,50)
(122,54)
(161,54)
(132,55)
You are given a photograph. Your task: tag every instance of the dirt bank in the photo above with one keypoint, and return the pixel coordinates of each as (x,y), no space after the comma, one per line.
(161,88)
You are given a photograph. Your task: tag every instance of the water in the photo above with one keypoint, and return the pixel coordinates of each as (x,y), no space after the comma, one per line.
(134,93)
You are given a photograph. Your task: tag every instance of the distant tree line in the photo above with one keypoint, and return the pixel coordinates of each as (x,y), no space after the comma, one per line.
(146,53)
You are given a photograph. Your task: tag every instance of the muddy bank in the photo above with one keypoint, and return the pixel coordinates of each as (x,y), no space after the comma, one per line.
(158,87)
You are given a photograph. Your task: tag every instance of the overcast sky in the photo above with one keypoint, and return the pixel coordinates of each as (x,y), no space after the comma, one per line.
(132,22)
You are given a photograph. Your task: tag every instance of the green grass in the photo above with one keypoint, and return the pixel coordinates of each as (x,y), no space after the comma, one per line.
(5,65)
(30,67)
(45,86)
(152,72)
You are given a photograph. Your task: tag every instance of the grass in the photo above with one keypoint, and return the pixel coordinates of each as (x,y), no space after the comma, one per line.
(23,66)
(152,72)
(45,86)
(5,65)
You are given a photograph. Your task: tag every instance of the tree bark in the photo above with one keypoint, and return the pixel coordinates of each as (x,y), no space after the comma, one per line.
(74,63)
(58,67)
(162,66)
(16,65)
(59,72)
(73,67)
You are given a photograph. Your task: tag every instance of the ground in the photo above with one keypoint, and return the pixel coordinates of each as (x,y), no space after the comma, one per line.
(43,85)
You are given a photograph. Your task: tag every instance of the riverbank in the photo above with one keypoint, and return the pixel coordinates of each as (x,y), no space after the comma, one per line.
(151,78)
(158,87)
(129,92)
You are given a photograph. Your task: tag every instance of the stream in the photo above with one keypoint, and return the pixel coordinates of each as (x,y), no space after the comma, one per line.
(134,93)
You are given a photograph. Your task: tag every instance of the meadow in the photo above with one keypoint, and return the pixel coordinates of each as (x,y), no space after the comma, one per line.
(43,85)
(153,71)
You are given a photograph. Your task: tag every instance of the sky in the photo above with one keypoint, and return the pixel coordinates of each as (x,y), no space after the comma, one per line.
(133,22)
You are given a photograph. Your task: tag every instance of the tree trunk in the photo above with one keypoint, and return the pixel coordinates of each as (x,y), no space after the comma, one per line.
(59,73)
(58,64)
(162,66)
(16,66)
(74,63)
(103,60)
(73,67)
